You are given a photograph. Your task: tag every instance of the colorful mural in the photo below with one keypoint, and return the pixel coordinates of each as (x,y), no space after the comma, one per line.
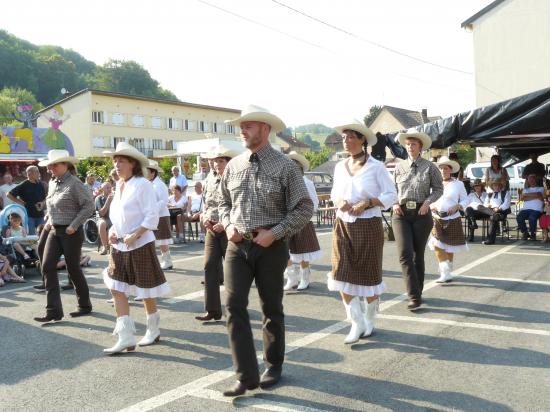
(35,140)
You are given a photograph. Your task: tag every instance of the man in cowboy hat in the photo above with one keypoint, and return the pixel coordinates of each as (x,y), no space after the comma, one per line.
(499,202)
(263,200)
(31,193)
(476,209)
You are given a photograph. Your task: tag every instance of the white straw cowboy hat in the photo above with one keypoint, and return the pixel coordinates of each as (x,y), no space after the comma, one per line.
(415,134)
(220,151)
(153,164)
(58,156)
(359,127)
(300,159)
(126,149)
(444,160)
(254,113)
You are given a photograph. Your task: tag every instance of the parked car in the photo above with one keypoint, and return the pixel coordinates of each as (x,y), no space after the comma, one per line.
(477,171)
(321,180)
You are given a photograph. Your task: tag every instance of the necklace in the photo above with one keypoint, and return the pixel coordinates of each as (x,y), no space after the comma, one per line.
(358,155)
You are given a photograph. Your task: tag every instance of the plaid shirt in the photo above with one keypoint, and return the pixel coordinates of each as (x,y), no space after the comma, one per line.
(69,202)
(262,190)
(210,197)
(418,181)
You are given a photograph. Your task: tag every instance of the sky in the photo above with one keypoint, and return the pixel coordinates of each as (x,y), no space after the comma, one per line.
(240,52)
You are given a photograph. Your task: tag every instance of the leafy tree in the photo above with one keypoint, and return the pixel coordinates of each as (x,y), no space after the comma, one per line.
(466,154)
(99,167)
(317,158)
(314,128)
(10,97)
(166,165)
(374,111)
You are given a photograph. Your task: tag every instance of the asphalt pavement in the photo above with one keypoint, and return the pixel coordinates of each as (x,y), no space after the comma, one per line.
(479,343)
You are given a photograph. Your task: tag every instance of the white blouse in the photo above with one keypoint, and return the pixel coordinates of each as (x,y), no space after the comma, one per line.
(370,182)
(180,204)
(135,207)
(454,193)
(312,193)
(474,201)
(162,196)
(495,200)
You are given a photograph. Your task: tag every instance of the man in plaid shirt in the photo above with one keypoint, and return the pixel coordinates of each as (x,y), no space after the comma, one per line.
(263,200)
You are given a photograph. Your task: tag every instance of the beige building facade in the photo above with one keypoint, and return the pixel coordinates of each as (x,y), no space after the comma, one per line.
(99,120)
(511,49)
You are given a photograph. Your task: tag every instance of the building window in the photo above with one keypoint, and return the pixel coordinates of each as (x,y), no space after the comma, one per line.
(156,122)
(188,125)
(118,119)
(229,129)
(97,117)
(172,123)
(138,121)
(157,144)
(215,127)
(203,126)
(169,145)
(138,143)
(117,140)
(98,141)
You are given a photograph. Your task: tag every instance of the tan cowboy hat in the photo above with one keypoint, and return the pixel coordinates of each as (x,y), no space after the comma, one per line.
(254,113)
(359,127)
(300,159)
(444,160)
(220,151)
(58,156)
(126,149)
(478,182)
(153,164)
(415,134)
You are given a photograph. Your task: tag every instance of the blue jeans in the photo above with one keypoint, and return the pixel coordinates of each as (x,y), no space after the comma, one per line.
(34,222)
(532,216)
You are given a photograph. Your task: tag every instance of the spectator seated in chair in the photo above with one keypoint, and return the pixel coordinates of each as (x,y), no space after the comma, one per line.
(102,205)
(177,203)
(476,209)
(194,208)
(544,221)
(16,229)
(7,274)
(533,205)
(499,202)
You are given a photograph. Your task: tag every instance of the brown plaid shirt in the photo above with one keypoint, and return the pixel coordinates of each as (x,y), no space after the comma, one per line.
(262,190)
(68,201)
(210,197)
(418,181)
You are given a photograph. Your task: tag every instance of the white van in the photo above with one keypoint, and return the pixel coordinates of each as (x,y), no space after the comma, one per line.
(477,171)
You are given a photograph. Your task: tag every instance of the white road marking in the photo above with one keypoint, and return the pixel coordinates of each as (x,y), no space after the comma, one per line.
(466,324)
(253,402)
(528,254)
(189,296)
(202,383)
(536,282)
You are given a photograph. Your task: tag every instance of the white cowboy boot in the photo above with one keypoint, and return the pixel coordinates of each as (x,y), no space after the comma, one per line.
(370,311)
(304,278)
(444,272)
(152,335)
(166,261)
(293,277)
(125,329)
(358,326)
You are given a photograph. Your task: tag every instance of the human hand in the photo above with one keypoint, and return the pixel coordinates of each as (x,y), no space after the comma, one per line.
(218,227)
(113,238)
(397,210)
(425,208)
(130,239)
(69,230)
(233,234)
(344,206)
(265,238)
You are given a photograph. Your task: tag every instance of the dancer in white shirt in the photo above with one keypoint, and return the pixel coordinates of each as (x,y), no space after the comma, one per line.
(304,246)
(133,264)
(163,234)
(447,235)
(362,188)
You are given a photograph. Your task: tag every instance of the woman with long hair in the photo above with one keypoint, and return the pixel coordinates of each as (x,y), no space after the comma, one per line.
(496,172)
(133,264)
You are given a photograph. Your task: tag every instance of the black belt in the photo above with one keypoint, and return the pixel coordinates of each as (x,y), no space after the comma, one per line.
(440,214)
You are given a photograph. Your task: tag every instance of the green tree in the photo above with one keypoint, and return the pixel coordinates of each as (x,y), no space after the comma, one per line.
(374,111)
(10,97)
(318,158)
(99,167)
(466,154)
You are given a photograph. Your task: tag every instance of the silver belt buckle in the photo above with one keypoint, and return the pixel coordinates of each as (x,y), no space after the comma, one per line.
(248,236)
(410,204)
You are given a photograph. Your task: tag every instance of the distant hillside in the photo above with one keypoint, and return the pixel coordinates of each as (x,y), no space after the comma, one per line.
(45,70)
(314,129)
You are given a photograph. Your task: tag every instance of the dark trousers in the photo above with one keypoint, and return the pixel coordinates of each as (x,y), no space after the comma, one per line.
(215,245)
(532,216)
(40,250)
(411,233)
(494,222)
(244,262)
(60,243)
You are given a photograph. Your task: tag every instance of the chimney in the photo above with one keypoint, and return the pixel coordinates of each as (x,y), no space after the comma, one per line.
(425,115)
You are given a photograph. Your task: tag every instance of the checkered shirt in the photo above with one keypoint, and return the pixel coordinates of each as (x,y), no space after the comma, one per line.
(418,181)
(264,190)
(210,197)
(68,201)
